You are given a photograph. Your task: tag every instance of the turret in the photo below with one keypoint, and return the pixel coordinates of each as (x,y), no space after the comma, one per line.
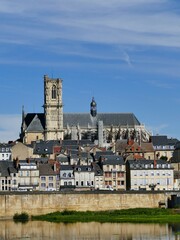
(93,108)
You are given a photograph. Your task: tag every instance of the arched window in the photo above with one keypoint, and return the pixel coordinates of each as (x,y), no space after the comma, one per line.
(54,92)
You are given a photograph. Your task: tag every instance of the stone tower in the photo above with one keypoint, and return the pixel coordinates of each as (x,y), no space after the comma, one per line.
(53,108)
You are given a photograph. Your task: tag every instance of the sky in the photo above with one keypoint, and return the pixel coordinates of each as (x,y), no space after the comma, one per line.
(125,53)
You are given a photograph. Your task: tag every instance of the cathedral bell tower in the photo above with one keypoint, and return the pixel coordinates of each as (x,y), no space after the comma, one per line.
(53,108)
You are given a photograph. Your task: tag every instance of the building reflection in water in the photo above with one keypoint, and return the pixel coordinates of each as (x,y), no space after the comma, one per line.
(78,231)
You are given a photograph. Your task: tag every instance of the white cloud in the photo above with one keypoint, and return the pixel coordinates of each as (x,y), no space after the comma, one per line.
(10,126)
(147,22)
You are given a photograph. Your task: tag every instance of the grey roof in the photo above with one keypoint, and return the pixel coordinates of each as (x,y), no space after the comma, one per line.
(140,164)
(66,167)
(7,167)
(35,122)
(113,160)
(45,147)
(85,119)
(162,140)
(97,169)
(103,153)
(46,170)
(83,168)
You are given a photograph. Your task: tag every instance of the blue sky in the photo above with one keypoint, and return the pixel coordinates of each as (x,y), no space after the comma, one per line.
(125,53)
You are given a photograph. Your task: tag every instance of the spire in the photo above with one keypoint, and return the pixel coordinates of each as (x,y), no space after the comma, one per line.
(93,106)
(23,114)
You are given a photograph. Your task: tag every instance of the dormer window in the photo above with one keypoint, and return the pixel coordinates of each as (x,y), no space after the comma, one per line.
(54,92)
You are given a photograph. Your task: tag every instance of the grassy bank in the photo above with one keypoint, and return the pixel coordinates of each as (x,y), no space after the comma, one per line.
(140,215)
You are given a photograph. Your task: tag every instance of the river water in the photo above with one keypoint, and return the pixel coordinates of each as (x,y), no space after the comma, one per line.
(87,231)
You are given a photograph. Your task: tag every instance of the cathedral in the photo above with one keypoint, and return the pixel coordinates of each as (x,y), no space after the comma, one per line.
(54,124)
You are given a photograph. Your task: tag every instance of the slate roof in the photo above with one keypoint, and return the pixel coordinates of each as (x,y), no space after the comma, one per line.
(35,122)
(113,160)
(66,168)
(83,168)
(97,169)
(140,164)
(85,119)
(46,170)
(7,167)
(162,140)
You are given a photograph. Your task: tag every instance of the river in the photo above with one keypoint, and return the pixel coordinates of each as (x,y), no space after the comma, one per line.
(87,231)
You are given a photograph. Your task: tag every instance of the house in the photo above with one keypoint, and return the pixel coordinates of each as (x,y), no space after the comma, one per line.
(66,178)
(163,146)
(8,176)
(47,178)
(22,151)
(28,175)
(84,177)
(145,174)
(98,177)
(114,170)
(5,151)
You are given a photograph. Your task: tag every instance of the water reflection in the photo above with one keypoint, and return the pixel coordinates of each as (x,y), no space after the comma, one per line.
(87,231)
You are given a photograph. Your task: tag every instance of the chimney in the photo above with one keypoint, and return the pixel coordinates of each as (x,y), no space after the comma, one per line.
(155,163)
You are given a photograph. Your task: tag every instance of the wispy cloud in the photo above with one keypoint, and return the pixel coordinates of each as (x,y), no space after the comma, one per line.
(160,129)
(114,22)
(162,84)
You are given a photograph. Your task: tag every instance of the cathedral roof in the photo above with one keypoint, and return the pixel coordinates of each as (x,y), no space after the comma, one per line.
(35,122)
(85,119)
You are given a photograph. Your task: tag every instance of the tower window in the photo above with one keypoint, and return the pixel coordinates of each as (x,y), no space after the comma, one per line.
(54,92)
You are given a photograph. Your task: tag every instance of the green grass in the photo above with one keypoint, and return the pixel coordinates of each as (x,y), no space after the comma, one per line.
(138,215)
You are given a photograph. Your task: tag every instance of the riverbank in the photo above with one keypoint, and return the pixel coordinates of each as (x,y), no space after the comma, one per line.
(138,215)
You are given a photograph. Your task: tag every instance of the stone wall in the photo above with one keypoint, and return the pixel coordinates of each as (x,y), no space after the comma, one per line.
(42,203)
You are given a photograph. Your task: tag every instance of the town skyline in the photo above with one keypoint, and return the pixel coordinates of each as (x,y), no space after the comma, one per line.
(124,53)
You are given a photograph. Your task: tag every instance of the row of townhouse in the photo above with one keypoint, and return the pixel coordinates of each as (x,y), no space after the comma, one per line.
(110,172)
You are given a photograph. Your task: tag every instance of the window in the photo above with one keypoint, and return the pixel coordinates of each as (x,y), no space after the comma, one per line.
(54,92)
(64,174)
(69,183)
(69,174)
(43,185)
(14,182)
(43,178)
(65,183)
(50,178)
(92,183)
(51,185)
(81,183)
(76,183)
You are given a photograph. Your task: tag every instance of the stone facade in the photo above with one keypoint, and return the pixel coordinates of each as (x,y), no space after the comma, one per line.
(53,108)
